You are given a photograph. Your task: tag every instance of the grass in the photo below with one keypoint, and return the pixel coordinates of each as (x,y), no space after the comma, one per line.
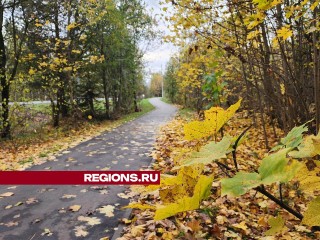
(145,107)
(187,113)
(41,107)
(166,100)
(33,145)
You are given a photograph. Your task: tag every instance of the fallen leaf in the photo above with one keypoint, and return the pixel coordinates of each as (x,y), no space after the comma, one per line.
(126,221)
(46,232)
(18,204)
(35,221)
(7,194)
(80,231)
(103,192)
(68,196)
(74,208)
(31,200)
(194,225)
(10,224)
(137,231)
(107,210)
(242,226)
(276,224)
(311,216)
(90,220)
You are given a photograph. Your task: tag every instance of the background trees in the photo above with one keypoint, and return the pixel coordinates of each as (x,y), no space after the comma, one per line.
(268,52)
(156,84)
(71,52)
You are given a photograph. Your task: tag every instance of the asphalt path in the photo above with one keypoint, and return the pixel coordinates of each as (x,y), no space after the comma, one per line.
(42,212)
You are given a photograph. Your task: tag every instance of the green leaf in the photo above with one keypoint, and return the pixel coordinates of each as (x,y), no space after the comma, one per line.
(274,168)
(293,138)
(277,168)
(201,191)
(209,153)
(312,216)
(239,184)
(276,224)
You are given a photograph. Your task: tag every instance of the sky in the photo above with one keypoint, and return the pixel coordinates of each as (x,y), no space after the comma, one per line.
(158,53)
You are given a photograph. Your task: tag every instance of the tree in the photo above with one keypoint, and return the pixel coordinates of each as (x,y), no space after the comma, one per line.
(268,47)
(170,82)
(14,23)
(156,84)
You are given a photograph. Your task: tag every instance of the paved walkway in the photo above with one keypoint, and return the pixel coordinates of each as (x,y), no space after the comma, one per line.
(42,212)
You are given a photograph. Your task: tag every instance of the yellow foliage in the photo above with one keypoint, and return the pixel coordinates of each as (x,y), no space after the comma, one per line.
(32,71)
(140,206)
(282,89)
(67,69)
(309,181)
(312,216)
(43,64)
(277,225)
(179,193)
(215,118)
(185,203)
(284,33)
(71,26)
(314,5)
(310,147)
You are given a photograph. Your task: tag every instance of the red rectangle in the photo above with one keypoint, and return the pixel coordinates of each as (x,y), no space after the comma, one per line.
(79,177)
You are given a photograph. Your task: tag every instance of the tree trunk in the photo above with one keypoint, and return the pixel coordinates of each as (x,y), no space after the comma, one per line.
(316,71)
(5,85)
(106,94)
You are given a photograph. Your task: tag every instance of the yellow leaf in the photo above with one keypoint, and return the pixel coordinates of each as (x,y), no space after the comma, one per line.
(67,196)
(80,231)
(140,206)
(74,208)
(242,226)
(215,118)
(67,69)
(7,194)
(107,210)
(284,33)
(137,231)
(83,37)
(282,89)
(201,191)
(89,117)
(312,216)
(32,71)
(71,26)
(253,34)
(90,220)
(310,147)
(314,5)
(276,224)
(309,181)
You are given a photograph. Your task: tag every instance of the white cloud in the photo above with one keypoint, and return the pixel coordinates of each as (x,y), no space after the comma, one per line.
(157,57)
